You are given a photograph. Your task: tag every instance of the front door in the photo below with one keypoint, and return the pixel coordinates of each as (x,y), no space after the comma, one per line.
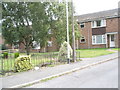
(112,40)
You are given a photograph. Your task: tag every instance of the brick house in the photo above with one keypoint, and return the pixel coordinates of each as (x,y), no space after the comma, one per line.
(99,30)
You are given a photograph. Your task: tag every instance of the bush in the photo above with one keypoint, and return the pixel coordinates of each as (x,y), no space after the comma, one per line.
(5,55)
(23,63)
(16,55)
(63,52)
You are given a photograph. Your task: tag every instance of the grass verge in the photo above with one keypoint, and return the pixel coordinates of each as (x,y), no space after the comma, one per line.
(89,53)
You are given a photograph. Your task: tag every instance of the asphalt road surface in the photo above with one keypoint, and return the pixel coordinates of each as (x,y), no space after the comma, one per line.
(104,75)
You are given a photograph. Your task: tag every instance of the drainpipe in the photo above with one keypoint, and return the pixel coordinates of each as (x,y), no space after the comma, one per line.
(88,39)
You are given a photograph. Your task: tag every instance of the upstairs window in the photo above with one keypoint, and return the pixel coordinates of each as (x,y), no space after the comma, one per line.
(98,23)
(82,25)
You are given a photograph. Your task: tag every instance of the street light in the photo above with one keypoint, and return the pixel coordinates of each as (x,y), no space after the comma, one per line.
(68,51)
(73,34)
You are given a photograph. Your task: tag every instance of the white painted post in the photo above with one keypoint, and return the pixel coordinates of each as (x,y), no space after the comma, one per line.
(68,51)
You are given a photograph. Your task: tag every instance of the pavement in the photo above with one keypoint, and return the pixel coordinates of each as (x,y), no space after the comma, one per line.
(104,75)
(33,76)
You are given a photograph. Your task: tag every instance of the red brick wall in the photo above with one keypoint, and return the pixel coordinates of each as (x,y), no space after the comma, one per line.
(87,33)
(54,46)
(119,32)
(1,40)
(111,26)
(99,46)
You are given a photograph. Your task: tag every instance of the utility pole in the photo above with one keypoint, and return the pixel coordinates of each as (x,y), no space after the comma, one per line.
(68,51)
(73,34)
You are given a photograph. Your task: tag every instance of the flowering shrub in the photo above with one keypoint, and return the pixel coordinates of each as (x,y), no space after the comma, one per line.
(23,63)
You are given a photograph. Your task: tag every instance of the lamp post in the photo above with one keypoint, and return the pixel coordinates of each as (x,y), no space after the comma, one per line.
(73,34)
(68,51)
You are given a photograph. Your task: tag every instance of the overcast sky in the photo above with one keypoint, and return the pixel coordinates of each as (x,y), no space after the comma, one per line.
(90,6)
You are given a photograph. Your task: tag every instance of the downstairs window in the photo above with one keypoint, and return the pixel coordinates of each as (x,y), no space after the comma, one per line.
(98,39)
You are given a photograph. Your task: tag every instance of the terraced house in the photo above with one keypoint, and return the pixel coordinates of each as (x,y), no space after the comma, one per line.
(99,30)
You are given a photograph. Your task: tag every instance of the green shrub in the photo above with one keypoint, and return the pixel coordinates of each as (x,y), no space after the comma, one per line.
(62,56)
(5,55)
(23,63)
(16,55)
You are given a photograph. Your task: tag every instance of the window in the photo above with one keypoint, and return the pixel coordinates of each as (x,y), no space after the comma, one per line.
(98,39)
(16,46)
(93,39)
(104,39)
(112,37)
(82,40)
(49,43)
(81,25)
(98,23)
(103,22)
(36,45)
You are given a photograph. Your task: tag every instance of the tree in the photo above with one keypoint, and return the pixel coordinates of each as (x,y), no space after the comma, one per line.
(57,15)
(40,22)
(23,23)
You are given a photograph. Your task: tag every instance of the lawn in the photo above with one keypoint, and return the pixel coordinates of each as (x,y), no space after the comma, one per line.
(89,53)
(116,49)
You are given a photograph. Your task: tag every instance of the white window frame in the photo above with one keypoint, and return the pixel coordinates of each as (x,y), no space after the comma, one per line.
(36,45)
(49,43)
(102,39)
(103,23)
(83,38)
(82,24)
(94,23)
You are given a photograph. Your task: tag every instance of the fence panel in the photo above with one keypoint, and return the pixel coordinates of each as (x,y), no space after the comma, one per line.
(37,60)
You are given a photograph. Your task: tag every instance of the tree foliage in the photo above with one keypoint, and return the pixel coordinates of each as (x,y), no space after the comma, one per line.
(57,15)
(25,22)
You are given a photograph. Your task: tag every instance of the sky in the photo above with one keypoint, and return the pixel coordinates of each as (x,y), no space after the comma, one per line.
(90,6)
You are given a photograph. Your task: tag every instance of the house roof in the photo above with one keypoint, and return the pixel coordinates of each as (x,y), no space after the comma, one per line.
(97,15)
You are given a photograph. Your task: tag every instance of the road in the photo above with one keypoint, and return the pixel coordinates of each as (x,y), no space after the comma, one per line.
(104,75)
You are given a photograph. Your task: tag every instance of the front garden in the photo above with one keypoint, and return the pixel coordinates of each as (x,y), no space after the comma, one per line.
(49,58)
(89,53)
